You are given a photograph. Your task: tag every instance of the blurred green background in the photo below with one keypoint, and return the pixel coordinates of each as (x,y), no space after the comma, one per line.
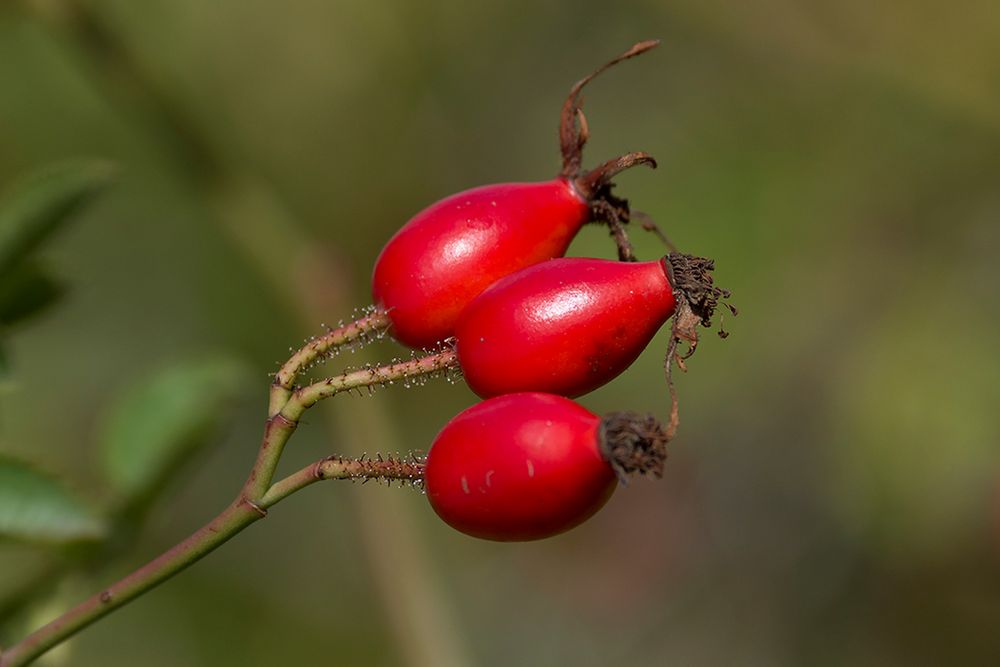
(833,496)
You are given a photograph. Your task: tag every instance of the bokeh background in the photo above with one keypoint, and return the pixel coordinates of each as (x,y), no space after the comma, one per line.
(833,496)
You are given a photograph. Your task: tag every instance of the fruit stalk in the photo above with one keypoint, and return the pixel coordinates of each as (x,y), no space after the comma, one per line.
(305,397)
(280,426)
(373,324)
(336,467)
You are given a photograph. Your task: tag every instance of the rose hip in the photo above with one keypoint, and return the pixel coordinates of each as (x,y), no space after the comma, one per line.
(531,465)
(566,326)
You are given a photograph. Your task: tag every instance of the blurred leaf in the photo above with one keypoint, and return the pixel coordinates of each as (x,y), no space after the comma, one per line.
(39,204)
(26,291)
(156,425)
(36,507)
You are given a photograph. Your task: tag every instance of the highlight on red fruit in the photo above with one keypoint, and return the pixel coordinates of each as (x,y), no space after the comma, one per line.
(566,326)
(451,251)
(448,253)
(531,465)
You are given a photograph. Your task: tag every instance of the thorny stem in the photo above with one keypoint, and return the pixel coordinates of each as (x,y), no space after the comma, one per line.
(361,329)
(307,396)
(336,467)
(279,427)
(237,516)
(258,494)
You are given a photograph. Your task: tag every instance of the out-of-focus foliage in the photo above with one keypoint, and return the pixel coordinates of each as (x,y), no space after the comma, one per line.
(833,495)
(158,424)
(31,211)
(26,290)
(153,427)
(33,506)
(42,203)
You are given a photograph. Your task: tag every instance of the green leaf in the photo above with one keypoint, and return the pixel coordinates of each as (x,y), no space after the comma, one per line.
(158,424)
(36,507)
(26,291)
(42,202)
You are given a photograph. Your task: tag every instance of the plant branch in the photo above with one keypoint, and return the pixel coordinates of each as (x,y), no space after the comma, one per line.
(280,426)
(337,467)
(257,495)
(360,330)
(237,516)
(308,396)
(277,430)
(216,532)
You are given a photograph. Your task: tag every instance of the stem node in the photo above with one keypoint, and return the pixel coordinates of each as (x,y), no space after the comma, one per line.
(255,507)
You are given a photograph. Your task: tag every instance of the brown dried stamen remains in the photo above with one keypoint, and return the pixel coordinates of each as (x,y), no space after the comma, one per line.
(697,298)
(633,444)
(692,277)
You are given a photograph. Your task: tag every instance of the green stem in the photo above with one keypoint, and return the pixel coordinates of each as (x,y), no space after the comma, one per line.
(336,467)
(240,514)
(257,495)
(216,532)
(306,397)
(277,430)
(320,347)
(280,426)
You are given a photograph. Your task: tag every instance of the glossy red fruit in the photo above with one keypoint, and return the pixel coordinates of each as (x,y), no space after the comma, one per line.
(527,466)
(518,467)
(565,326)
(451,251)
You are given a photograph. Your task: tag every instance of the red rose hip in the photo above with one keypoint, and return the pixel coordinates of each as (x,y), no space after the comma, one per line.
(527,466)
(453,250)
(566,326)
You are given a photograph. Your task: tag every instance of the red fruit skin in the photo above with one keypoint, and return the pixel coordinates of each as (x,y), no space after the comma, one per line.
(452,250)
(518,467)
(566,326)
